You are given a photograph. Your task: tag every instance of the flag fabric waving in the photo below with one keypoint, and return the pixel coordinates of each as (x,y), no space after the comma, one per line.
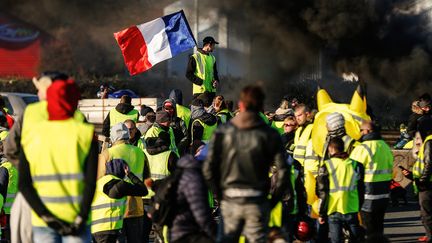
(145,45)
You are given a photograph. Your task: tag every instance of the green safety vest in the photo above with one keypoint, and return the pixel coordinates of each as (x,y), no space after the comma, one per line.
(35,113)
(301,139)
(204,70)
(56,165)
(117,117)
(279,126)
(264,117)
(419,165)
(183,113)
(107,213)
(343,196)
(12,185)
(293,177)
(208,130)
(132,155)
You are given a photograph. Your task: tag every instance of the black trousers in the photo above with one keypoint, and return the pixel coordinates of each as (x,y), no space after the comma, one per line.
(109,236)
(425,200)
(374,223)
(194,238)
(133,230)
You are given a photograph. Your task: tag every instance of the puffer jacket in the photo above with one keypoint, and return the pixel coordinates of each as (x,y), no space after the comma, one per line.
(193,214)
(241,153)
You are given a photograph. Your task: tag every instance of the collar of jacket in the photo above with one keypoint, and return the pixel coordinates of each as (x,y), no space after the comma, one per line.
(371,136)
(124,108)
(247,119)
(200,50)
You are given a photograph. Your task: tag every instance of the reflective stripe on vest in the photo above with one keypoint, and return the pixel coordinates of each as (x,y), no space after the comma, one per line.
(12,185)
(107,213)
(117,117)
(419,165)
(55,164)
(343,196)
(207,130)
(377,159)
(204,70)
(183,113)
(301,139)
(158,164)
(132,155)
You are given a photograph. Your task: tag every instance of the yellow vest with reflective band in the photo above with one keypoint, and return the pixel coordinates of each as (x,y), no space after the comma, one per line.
(56,165)
(343,195)
(207,131)
(158,164)
(12,185)
(204,70)
(419,165)
(154,131)
(3,135)
(377,158)
(279,126)
(132,155)
(117,117)
(223,115)
(301,139)
(35,113)
(183,113)
(107,213)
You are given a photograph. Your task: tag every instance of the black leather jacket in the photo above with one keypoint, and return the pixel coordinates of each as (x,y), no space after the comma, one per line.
(240,155)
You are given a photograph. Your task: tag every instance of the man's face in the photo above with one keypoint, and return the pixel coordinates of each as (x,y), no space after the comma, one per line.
(301,116)
(132,129)
(169,109)
(289,126)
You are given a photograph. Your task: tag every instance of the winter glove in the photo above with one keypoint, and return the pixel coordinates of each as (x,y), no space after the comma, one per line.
(78,225)
(60,226)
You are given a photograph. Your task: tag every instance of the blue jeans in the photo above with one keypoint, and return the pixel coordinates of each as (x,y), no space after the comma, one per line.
(350,221)
(48,235)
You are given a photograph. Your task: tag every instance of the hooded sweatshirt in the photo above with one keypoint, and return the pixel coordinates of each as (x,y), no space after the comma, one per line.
(123,108)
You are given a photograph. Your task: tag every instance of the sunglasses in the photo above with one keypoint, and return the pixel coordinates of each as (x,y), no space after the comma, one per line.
(289,125)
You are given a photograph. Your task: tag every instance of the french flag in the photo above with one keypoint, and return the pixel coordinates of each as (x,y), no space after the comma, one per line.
(145,45)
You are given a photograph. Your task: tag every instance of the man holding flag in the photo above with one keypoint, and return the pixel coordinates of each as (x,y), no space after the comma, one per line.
(201,69)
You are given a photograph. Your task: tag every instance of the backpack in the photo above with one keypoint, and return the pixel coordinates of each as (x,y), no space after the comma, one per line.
(165,200)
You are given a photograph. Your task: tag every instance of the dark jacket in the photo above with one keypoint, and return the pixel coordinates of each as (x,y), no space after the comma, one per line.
(193,214)
(190,71)
(240,155)
(122,108)
(116,188)
(179,128)
(323,185)
(288,141)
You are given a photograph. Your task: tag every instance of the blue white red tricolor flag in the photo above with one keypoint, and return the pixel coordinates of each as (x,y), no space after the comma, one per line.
(145,45)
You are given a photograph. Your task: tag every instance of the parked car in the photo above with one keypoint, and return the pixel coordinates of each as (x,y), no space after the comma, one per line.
(16,102)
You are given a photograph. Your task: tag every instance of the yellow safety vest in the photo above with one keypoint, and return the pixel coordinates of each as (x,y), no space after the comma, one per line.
(35,113)
(132,155)
(204,70)
(343,196)
(3,135)
(154,131)
(12,185)
(207,131)
(56,165)
(377,158)
(223,115)
(183,113)
(279,126)
(117,117)
(107,213)
(301,139)
(419,165)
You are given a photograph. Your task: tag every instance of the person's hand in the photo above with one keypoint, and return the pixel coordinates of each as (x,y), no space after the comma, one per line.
(148,182)
(406,172)
(215,83)
(126,169)
(60,226)
(321,220)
